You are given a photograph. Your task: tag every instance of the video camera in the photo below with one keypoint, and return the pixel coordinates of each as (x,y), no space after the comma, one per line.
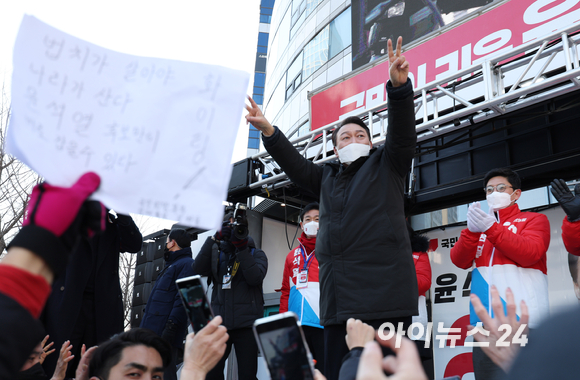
(240,224)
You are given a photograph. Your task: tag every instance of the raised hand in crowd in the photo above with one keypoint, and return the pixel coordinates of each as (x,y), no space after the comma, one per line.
(570,203)
(63,359)
(204,350)
(46,349)
(82,372)
(504,353)
(406,365)
(398,65)
(358,333)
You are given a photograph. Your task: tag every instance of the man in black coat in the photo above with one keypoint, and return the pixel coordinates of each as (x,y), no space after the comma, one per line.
(237,269)
(86,304)
(363,250)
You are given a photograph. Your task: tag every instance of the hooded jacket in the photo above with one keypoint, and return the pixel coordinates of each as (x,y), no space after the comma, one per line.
(362,246)
(511,253)
(164,303)
(243,303)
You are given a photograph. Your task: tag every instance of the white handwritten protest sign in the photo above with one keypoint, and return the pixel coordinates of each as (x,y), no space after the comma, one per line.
(159,132)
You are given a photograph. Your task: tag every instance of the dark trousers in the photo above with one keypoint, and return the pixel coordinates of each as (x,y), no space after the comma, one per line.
(170,372)
(315,340)
(335,347)
(84,332)
(483,367)
(246,354)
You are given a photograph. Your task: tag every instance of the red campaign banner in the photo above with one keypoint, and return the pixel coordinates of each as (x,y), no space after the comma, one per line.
(500,29)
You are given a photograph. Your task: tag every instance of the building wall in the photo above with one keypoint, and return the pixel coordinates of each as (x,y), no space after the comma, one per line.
(309,47)
(266,10)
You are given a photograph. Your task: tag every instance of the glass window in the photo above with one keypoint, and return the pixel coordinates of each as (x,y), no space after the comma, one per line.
(263,39)
(304,129)
(315,53)
(311,6)
(340,35)
(283,35)
(294,69)
(260,64)
(276,101)
(263,49)
(267,3)
(254,133)
(265,19)
(266,11)
(259,90)
(260,79)
(254,143)
(297,24)
(258,99)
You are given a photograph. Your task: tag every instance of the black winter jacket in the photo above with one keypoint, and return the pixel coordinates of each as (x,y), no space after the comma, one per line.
(164,303)
(241,305)
(362,247)
(20,332)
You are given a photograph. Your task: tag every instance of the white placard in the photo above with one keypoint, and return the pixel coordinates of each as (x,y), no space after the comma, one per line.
(160,133)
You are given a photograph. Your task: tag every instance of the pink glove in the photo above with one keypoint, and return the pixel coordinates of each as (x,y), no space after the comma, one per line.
(56,217)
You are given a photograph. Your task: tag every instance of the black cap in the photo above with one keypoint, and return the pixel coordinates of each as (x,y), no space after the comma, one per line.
(181,237)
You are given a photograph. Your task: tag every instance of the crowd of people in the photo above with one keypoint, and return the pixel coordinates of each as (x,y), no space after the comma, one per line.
(357,265)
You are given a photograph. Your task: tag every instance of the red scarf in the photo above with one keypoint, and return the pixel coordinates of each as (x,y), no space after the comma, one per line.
(308,244)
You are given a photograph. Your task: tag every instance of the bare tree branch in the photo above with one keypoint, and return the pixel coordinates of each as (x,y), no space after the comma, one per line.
(16,182)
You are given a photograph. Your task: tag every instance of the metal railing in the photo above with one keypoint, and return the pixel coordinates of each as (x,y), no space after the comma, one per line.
(529,74)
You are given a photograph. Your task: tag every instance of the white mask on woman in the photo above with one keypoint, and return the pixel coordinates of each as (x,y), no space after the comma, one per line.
(352,152)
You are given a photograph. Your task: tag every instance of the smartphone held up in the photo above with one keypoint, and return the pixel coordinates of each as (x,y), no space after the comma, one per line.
(284,347)
(195,301)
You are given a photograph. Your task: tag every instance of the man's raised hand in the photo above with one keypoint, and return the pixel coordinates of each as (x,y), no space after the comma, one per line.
(257,119)
(398,65)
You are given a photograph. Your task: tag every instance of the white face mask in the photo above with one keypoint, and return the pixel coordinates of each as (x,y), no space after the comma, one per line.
(311,228)
(352,152)
(497,201)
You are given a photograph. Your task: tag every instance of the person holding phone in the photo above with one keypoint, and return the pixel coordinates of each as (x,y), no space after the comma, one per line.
(237,268)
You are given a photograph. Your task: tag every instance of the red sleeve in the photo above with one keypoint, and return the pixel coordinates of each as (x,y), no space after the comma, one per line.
(30,290)
(526,247)
(463,252)
(423,269)
(571,236)
(286,282)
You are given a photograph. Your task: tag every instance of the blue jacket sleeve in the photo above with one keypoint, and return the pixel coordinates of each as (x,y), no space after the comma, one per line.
(177,314)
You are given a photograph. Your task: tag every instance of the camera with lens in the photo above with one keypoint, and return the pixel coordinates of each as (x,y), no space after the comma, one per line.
(240,224)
